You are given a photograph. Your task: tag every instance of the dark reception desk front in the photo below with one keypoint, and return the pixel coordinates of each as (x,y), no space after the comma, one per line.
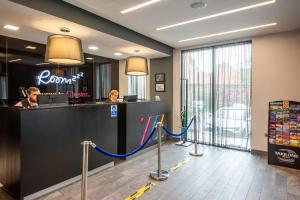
(40,148)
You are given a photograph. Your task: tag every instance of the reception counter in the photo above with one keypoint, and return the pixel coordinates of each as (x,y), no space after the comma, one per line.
(132,123)
(40,148)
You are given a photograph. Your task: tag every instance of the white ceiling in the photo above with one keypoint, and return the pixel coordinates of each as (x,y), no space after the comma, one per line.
(36,26)
(145,20)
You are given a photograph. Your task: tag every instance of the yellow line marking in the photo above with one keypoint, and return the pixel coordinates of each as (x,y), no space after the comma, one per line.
(147,187)
(172,169)
(141,191)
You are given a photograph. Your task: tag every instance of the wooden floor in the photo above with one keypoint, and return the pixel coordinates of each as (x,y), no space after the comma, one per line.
(220,174)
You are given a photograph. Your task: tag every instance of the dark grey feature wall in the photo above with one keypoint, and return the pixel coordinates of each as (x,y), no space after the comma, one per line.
(163,65)
(77,15)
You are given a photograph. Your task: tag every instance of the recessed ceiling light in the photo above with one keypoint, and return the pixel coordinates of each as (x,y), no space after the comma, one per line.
(118,54)
(30,47)
(216,15)
(199,4)
(15,60)
(42,64)
(90,58)
(94,48)
(229,32)
(11,27)
(147,3)
(64,29)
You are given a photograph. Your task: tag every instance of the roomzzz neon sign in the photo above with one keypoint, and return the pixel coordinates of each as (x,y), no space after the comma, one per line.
(45,78)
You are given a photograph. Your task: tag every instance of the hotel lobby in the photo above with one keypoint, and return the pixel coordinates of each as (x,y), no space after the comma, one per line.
(149,99)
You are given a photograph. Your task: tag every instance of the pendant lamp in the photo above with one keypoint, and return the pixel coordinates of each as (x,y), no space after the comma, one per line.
(137,66)
(64,50)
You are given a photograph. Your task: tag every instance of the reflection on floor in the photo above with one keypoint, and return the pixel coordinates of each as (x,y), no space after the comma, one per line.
(220,174)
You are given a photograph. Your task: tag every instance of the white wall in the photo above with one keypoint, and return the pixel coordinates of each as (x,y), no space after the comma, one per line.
(148,80)
(176,122)
(123,80)
(275,76)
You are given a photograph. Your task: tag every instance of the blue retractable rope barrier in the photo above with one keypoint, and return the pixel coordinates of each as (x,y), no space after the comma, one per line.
(124,155)
(180,133)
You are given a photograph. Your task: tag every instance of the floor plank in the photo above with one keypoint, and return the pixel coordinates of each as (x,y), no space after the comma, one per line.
(221,174)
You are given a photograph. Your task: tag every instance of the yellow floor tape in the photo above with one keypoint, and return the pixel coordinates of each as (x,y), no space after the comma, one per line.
(141,191)
(145,188)
(172,169)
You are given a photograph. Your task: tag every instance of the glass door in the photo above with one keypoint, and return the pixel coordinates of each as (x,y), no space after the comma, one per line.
(219,88)
(197,70)
(232,97)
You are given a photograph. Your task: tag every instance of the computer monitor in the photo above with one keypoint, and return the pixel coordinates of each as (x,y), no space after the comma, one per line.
(53,98)
(130,98)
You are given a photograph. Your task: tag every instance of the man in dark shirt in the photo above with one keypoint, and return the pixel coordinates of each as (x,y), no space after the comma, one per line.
(31,101)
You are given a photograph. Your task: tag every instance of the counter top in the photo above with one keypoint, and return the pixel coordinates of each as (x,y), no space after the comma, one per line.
(90,104)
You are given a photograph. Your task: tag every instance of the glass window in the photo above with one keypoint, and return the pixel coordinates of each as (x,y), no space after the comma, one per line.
(216,87)
(103,80)
(137,86)
(3,87)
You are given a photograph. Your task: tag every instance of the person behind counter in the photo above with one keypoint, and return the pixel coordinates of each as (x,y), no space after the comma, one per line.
(31,101)
(113,96)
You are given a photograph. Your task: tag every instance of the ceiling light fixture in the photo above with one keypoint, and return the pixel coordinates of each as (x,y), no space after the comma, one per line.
(147,3)
(136,66)
(30,47)
(199,4)
(15,60)
(38,64)
(64,49)
(216,15)
(64,29)
(90,58)
(11,27)
(229,32)
(94,48)
(118,54)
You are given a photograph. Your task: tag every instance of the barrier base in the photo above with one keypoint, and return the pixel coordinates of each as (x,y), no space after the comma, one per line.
(184,144)
(164,175)
(193,153)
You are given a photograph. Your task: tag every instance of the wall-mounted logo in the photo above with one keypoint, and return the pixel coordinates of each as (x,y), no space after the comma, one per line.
(113,111)
(45,77)
(72,94)
(286,155)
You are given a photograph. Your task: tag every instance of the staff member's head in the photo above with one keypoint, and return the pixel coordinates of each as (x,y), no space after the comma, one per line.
(32,93)
(113,95)
(31,101)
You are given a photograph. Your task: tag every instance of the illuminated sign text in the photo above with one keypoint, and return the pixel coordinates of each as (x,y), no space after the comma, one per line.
(45,77)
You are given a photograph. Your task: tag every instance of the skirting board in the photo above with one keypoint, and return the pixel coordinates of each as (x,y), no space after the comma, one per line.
(142,152)
(65,183)
(258,152)
(173,139)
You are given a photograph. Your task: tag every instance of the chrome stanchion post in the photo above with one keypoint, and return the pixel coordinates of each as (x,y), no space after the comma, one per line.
(85,163)
(159,174)
(195,152)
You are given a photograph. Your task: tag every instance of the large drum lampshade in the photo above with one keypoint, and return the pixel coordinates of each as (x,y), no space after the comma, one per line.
(64,49)
(137,66)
